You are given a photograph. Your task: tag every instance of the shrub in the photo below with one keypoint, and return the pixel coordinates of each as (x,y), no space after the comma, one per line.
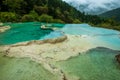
(8,17)
(34,14)
(76,21)
(58,21)
(27,18)
(45,18)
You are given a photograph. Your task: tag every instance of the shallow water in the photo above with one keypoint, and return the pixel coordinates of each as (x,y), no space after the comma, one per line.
(23,69)
(107,37)
(85,29)
(96,64)
(52,35)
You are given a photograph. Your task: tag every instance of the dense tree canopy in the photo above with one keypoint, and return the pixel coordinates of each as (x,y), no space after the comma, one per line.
(40,10)
(55,8)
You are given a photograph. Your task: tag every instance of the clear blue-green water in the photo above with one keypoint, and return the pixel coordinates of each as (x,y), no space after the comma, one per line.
(52,35)
(20,32)
(108,36)
(95,64)
(23,69)
(86,29)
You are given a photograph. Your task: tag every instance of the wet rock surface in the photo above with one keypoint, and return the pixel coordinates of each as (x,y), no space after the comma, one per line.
(118,58)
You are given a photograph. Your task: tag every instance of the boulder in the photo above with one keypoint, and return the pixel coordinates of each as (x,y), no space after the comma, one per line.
(118,58)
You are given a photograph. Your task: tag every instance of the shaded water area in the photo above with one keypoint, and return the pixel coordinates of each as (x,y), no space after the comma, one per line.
(23,69)
(95,64)
(20,32)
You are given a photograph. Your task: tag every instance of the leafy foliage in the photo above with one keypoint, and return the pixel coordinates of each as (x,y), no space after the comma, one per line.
(8,16)
(45,18)
(47,11)
(55,8)
(27,17)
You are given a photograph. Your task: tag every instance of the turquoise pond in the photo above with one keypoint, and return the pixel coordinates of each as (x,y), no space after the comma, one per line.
(23,69)
(96,64)
(20,32)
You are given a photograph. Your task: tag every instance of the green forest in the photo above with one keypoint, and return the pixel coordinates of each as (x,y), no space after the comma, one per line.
(115,14)
(54,11)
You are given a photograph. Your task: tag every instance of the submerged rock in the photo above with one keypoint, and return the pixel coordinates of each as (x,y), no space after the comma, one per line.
(1,24)
(118,58)
(4,28)
(48,28)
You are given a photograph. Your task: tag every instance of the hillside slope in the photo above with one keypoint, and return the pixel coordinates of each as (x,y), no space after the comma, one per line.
(32,10)
(115,14)
(94,7)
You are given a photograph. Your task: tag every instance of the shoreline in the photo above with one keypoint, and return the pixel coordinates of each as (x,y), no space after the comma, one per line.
(67,45)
